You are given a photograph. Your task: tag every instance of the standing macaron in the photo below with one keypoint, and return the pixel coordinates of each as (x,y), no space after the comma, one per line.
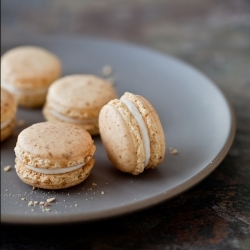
(132,134)
(27,72)
(8,114)
(78,99)
(54,155)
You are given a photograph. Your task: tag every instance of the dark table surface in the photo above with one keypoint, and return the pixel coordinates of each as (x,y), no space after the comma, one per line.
(213,36)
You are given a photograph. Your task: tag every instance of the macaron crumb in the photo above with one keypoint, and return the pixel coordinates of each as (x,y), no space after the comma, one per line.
(102,192)
(41,202)
(23,199)
(51,199)
(94,184)
(173,151)
(107,70)
(7,168)
(90,189)
(31,203)
(33,188)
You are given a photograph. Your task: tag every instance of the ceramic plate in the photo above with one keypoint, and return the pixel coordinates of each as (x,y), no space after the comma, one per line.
(195,115)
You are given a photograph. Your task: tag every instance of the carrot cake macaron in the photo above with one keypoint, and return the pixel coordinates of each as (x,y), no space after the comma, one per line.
(8,113)
(132,134)
(78,99)
(27,72)
(54,155)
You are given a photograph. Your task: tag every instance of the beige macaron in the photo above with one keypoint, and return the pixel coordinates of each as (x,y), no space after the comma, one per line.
(8,113)
(53,155)
(27,72)
(132,134)
(78,99)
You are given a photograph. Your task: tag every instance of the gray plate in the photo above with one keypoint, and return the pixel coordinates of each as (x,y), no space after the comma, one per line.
(195,115)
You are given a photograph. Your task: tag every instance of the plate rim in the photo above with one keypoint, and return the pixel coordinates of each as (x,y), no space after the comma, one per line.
(148,202)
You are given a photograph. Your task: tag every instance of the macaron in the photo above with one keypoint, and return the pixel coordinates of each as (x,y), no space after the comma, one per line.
(54,155)
(27,72)
(132,134)
(8,113)
(78,99)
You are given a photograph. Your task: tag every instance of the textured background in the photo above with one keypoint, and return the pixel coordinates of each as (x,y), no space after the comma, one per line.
(212,35)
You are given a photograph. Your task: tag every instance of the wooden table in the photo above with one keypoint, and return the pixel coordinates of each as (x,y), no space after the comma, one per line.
(212,35)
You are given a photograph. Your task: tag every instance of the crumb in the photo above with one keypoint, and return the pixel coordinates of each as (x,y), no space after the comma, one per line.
(7,168)
(107,70)
(31,203)
(6,190)
(20,123)
(35,202)
(32,210)
(23,199)
(75,205)
(41,202)
(51,199)
(33,188)
(90,189)
(46,204)
(173,151)
(94,184)
(47,209)
(102,192)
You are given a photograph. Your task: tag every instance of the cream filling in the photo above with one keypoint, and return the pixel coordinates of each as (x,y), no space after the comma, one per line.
(5,123)
(142,126)
(31,92)
(55,171)
(72,120)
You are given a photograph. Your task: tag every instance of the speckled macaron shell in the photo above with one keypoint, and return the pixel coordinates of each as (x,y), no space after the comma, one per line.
(8,113)
(121,135)
(50,145)
(27,69)
(121,145)
(79,97)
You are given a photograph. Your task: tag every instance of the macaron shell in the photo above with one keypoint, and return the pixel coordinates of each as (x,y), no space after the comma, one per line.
(155,130)
(29,67)
(54,145)
(54,181)
(7,131)
(119,143)
(80,96)
(8,105)
(92,128)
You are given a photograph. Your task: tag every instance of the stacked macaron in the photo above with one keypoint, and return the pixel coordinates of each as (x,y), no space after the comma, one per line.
(54,155)
(78,99)
(132,134)
(8,113)
(27,72)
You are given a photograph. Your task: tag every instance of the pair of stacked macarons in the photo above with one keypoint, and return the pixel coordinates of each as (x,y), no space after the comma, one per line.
(60,153)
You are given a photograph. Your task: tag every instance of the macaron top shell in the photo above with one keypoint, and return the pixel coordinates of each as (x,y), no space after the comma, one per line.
(8,105)
(80,96)
(52,145)
(29,67)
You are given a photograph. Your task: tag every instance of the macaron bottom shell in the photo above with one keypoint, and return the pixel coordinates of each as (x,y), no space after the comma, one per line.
(53,181)
(92,128)
(7,131)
